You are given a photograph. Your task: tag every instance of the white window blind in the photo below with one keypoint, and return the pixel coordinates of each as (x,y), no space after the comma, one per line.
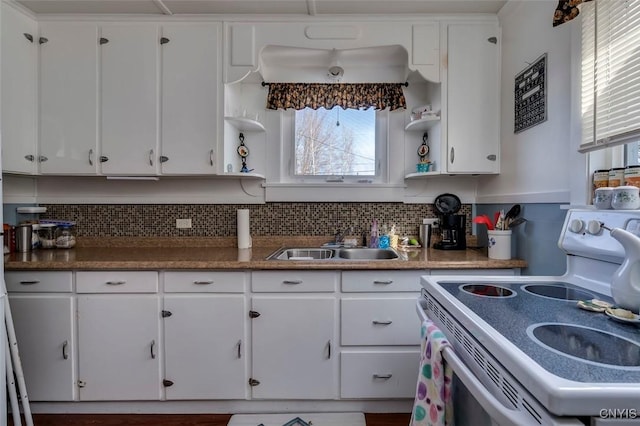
(610,73)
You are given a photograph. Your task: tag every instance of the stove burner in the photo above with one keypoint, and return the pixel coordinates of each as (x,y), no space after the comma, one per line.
(558,292)
(488,290)
(586,344)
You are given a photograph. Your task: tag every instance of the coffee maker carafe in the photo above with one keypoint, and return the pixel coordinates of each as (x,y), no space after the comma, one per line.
(452,226)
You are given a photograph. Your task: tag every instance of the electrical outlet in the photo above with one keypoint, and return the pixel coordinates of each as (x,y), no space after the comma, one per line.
(183,223)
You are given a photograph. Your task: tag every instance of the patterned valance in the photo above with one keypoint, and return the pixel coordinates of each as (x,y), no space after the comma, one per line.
(353,96)
(566,11)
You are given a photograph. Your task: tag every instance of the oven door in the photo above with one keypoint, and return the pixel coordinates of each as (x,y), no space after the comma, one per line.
(477,404)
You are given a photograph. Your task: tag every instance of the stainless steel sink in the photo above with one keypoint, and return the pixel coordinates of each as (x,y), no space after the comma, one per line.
(363,253)
(321,253)
(303,253)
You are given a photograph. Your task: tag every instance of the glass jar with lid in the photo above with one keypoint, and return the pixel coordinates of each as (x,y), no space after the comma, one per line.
(65,236)
(47,235)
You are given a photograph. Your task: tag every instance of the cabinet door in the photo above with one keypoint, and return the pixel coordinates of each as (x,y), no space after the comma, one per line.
(45,335)
(18,88)
(473,111)
(129,93)
(294,349)
(190,97)
(68,98)
(205,347)
(118,347)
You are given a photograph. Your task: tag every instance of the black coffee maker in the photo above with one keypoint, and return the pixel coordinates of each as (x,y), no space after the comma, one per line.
(452,226)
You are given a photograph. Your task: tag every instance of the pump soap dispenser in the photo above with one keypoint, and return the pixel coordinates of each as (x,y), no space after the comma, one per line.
(625,284)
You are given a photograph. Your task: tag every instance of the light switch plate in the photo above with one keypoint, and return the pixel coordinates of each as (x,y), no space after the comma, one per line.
(183,223)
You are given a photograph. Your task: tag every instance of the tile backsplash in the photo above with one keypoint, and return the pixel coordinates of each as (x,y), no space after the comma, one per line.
(219,220)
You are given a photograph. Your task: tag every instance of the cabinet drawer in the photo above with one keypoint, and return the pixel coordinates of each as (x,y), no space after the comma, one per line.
(379,374)
(35,282)
(205,282)
(294,281)
(117,282)
(380,321)
(368,281)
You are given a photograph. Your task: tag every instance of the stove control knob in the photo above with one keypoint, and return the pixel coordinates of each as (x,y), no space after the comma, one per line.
(576,226)
(594,227)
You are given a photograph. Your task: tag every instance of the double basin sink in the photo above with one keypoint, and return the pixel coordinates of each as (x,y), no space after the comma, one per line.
(341,253)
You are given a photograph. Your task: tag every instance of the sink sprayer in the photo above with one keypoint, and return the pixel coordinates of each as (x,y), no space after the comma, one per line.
(625,284)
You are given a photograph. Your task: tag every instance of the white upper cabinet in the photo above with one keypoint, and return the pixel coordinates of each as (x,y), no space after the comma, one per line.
(473,98)
(129,98)
(191,69)
(425,50)
(68,98)
(19,41)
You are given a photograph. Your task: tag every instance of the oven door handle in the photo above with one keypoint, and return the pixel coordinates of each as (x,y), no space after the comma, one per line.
(494,408)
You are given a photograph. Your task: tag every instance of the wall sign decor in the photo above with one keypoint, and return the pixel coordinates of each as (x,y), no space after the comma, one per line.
(531,95)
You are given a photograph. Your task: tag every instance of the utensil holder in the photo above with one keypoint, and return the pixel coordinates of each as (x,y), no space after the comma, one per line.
(499,244)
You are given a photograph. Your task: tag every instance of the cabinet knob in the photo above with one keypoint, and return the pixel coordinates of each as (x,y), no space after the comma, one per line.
(104,158)
(30,157)
(167,383)
(152,349)
(91,157)
(492,157)
(254,314)
(211,157)
(493,40)
(42,159)
(253,382)
(164,158)
(166,314)
(43,40)
(164,40)
(103,40)
(28,37)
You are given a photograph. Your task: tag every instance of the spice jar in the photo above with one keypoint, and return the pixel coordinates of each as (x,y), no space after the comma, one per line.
(47,235)
(616,177)
(65,236)
(632,175)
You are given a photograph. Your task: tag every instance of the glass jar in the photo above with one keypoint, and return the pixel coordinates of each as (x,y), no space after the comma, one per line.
(47,235)
(65,236)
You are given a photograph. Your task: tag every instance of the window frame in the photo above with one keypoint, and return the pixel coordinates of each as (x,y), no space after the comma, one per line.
(287,169)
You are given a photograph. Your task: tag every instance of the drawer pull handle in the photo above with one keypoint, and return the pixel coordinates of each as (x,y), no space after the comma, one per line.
(153,349)
(65,354)
(29,282)
(203,282)
(292,282)
(329,349)
(382,376)
(239,345)
(376,322)
(115,282)
(385,282)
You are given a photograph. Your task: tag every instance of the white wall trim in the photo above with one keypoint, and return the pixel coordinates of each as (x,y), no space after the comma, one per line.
(531,197)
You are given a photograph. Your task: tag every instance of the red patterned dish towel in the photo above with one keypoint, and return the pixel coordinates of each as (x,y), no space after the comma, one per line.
(433,405)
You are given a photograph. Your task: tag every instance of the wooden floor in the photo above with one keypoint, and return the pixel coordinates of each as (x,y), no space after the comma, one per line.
(175,419)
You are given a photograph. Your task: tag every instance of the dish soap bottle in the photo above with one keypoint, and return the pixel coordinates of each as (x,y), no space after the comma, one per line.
(625,284)
(383,240)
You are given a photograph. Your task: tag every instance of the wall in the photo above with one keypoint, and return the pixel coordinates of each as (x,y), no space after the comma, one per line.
(538,163)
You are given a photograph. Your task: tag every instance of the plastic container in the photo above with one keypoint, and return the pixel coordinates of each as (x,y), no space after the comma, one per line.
(47,235)
(65,237)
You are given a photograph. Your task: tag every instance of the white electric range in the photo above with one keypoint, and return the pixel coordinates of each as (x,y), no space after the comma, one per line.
(524,350)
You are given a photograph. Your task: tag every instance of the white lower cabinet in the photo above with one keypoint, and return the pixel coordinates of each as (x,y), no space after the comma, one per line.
(380,374)
(42,307)
(205,343)
(119,343)
(294,349)
(380,334)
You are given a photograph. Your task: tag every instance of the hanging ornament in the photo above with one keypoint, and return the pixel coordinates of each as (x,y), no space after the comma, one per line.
(424,164)
(243,152)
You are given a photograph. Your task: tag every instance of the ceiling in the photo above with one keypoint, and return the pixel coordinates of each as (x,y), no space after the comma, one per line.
(262,7)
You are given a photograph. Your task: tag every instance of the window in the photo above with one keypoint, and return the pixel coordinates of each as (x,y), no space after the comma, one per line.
(335,142)
(610,73)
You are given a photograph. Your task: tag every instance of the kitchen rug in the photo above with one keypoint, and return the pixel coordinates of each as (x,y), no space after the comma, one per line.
(294,419)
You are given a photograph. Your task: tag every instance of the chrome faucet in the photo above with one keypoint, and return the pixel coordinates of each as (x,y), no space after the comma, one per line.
(338,237)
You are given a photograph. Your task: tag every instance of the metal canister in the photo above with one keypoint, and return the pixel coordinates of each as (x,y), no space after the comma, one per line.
(632,175)
(24,233)
(616,177)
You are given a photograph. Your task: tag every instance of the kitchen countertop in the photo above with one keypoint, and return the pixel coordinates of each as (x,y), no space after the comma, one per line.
(220,253)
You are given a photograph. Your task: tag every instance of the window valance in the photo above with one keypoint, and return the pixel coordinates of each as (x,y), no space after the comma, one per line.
(566,11)
(346,95)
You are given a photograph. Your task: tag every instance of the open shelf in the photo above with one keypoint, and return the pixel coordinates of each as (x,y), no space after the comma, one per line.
(244,124)
(420,175)
(249,175)
(422,123)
